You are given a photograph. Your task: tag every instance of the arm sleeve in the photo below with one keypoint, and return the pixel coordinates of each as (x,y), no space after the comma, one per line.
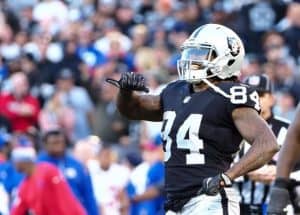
(19,209)
(156,175)
(58,198)
(19,205)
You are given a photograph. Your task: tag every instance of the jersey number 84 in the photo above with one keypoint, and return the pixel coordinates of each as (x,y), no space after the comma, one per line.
(191,126)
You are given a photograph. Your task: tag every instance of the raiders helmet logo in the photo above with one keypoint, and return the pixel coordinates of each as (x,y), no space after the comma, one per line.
(234,46)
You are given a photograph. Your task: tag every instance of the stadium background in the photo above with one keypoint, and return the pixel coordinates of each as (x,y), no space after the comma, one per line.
(60,52)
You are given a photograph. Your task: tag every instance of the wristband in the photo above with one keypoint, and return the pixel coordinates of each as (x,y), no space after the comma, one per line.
(282,183)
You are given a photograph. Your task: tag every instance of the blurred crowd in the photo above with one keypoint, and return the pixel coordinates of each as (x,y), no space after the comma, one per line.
(55,56)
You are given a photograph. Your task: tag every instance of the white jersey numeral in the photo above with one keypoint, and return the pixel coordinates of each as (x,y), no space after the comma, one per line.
(169,117)
(239,96)
(190,129)
(254,97)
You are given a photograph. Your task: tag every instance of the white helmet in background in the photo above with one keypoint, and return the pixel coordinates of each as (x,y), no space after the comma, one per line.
(212,50)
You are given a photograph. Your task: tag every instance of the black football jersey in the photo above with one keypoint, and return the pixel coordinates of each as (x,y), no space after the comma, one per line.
(200,137)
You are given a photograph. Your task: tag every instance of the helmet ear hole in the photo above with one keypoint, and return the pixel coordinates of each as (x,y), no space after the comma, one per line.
(230,62)
(213,55)
(209,72)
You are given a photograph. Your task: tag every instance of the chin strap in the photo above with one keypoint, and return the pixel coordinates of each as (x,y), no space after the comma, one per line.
(216,89)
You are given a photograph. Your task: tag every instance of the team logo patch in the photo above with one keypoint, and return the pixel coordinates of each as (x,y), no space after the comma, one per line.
(186,99)
(254,80)
(234,46)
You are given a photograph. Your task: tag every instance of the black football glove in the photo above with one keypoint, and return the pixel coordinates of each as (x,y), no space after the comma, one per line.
(130,81)
(279,198)
(212,186)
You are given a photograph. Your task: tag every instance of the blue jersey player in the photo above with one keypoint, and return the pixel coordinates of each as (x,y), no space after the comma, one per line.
(205,116)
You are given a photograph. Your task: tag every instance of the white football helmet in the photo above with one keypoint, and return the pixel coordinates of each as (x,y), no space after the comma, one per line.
(211,50)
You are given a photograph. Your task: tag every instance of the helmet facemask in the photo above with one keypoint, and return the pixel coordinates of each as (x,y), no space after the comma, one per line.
(197,63)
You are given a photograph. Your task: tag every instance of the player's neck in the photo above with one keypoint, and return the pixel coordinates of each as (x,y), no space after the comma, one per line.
(201,86)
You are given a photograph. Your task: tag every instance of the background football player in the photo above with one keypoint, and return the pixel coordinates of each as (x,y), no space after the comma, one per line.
(254,187)
(206,114)
(281,199)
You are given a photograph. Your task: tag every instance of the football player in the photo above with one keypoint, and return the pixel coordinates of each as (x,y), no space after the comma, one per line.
(280,198)
(205,116)
(254,187)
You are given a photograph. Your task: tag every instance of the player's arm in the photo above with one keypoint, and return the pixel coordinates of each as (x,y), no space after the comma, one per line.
(290,150)
(133,105)
(151,192)
(19,209)
(257,133)
(139,107)
(288,156)
(57,196)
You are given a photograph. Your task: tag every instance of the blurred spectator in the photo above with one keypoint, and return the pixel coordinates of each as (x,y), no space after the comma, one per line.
(3,70)
(114,43)
(140,36)
(9,49)
(74,62)
(5,125)
(116,46)
(109,124)
(283,76)
(29,68)
(52,15)
(125,17)
(18,106)
(86,50)
(55,144)
(176,37)
(146,181)
(27,22)
(251,66)
(4,210)
(78,100)
(87,149)
(275,48)
(57,115)
(290,27)
(145,59)
(4,147)
(280,65)
(137,181)
(285,106)
(9,176)
(109,179)
(155,178)
(38,48)
(257,18)
(44,190)
(17,5)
